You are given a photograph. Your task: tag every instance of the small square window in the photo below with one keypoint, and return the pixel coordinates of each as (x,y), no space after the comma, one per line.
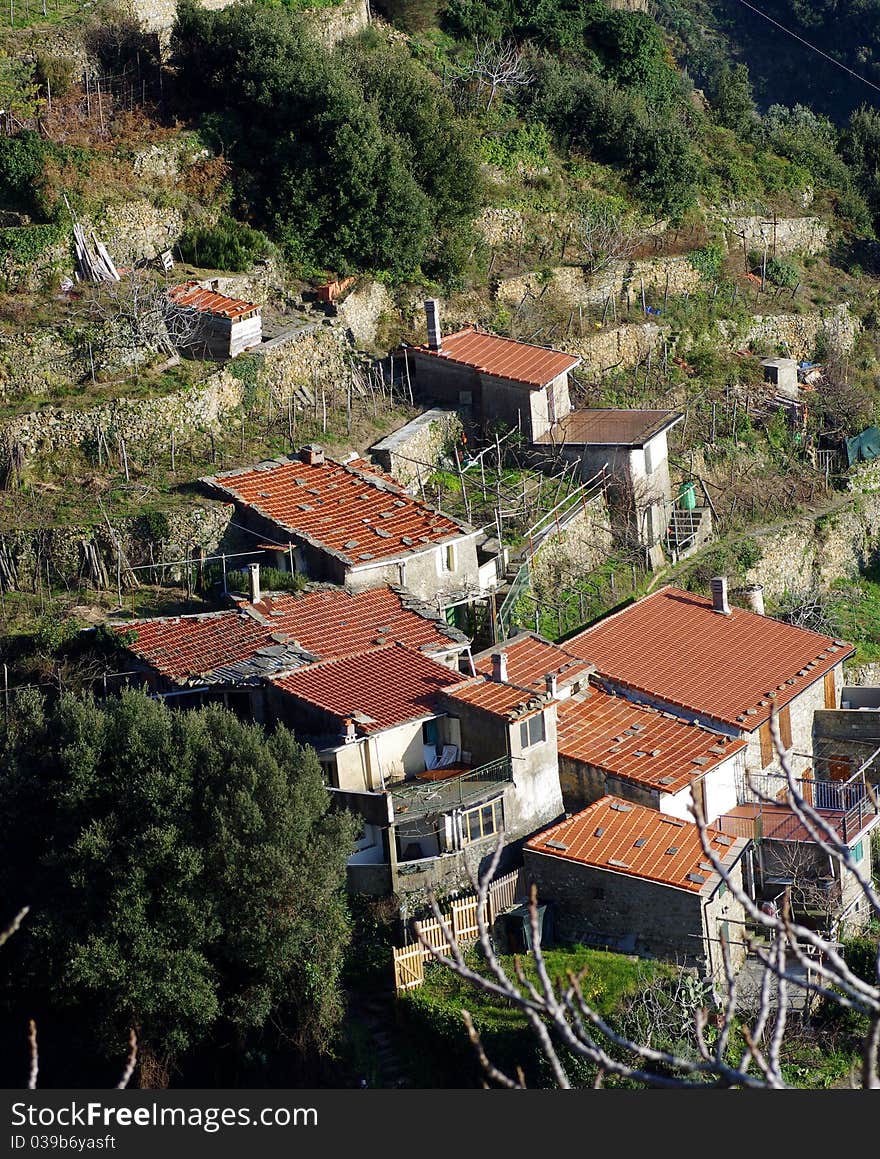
(857,851)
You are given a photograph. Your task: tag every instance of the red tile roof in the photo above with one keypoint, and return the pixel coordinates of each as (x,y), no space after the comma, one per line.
(195,297)
(356,514)
(672,646)
(639,743)
(530,659)
(320,623)
(534,366)
(505,700)
(624,838)
(379,689)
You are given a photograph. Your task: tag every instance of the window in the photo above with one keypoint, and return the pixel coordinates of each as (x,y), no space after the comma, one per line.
(857,851)
(531,731)
(447,558)
(430,733)
(484,821)
(785,726)
(649,465)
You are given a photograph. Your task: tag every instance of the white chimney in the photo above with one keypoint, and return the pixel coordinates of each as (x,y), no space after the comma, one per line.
(550,680)
(254,583)
(499,667)
(348,734)
(754,597)
(719,595)
(313,455)
(432,313)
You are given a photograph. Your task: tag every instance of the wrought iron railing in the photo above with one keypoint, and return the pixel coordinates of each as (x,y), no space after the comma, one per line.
(418,798)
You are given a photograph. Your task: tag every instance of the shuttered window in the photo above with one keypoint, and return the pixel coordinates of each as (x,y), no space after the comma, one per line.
(830,692)
(785,726)
(766,744)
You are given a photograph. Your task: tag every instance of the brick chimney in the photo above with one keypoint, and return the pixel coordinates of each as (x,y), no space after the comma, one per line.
(720,602)
(313,455)
(254,590)
(432,314)
(499,667)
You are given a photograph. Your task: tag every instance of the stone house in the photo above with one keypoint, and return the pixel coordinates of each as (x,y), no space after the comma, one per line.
(351,524)
(435,766)
(607,744)
(631,447)
(637,880)
(212,325)
(230,655)
(727,668)
(490,378)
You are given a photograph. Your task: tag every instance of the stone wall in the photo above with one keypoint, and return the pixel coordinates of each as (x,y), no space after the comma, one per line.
(796,335)
(329,24)
(787,235)
(582,545)
(362,310)
(575,286)
(616,346)
(420,446)
(133,230)
(148,421)
(300,356)
(162,537)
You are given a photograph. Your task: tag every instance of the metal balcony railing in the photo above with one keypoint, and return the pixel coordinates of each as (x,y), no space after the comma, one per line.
(418,798)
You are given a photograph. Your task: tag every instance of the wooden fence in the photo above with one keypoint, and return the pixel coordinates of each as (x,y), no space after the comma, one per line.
(461,915)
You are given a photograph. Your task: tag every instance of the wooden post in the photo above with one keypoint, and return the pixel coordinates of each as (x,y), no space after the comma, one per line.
(461,479)
(100,106)
(223,567)
(173,454)
(642,284)
(408,380)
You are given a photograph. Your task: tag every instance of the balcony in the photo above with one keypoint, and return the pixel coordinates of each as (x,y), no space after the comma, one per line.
(440,790)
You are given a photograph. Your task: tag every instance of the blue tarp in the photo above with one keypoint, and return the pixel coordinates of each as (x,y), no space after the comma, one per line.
(864,447)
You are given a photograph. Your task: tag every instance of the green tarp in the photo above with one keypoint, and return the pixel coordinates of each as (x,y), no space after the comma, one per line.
(863,447)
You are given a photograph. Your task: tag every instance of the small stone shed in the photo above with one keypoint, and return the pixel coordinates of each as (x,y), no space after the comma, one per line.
(211,325)
(631,878)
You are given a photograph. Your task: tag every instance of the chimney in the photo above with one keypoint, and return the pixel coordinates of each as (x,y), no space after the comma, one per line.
(550,680)
(254,583)
(348,730)
(432,313)
(754,597)
(313,455)
(499,667)
(719,595)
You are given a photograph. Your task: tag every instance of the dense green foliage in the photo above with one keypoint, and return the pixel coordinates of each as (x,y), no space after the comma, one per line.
(184,876)
(352,159)
(228,245)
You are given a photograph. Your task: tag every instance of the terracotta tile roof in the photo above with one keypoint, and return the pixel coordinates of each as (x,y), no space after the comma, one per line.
(534,366)
(379,689)
(357,515)
(609,426)
(530,659)
(672,646)
(639,743)
(284,631)
(505,700)
(624,838)
(780,823)
(195,297)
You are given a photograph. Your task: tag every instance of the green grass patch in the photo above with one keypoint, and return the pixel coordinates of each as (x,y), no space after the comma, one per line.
(432,1014)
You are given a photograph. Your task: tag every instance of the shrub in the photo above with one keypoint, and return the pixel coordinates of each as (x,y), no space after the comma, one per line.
(228,245)
(782,273)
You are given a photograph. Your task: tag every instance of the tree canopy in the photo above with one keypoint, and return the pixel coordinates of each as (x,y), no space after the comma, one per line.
(183,872)
(352,159)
